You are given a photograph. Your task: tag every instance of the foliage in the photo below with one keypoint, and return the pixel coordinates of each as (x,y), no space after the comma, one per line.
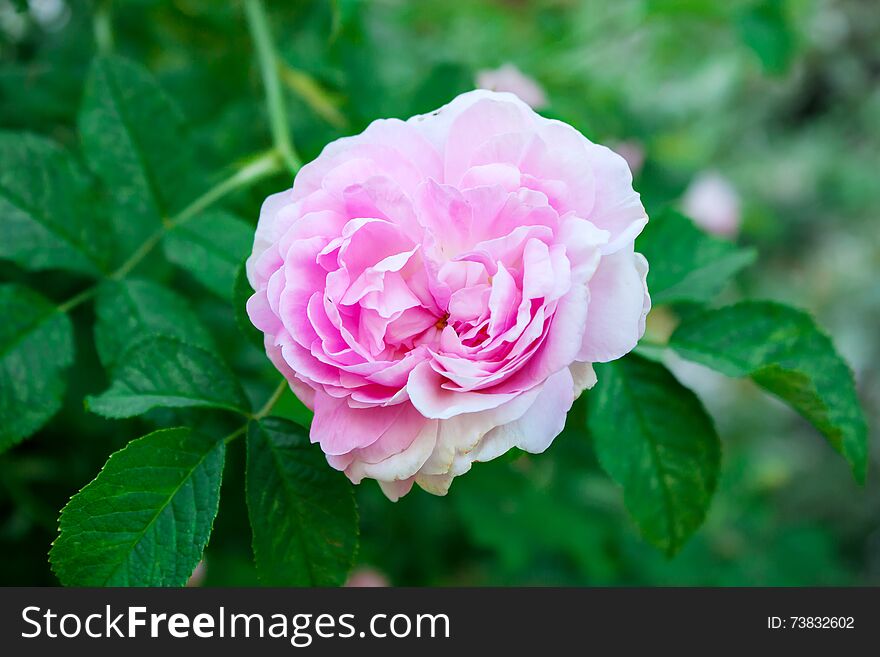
(125,220)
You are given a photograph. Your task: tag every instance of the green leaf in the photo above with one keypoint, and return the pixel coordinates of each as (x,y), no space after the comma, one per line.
(241,292)
(785,353)
(145,519)
(46,216)
(211,246)
(302,511)
(654,438)
(130,310)
(133,137)
(765,28)
(161,371)
(686,265)
(36,346)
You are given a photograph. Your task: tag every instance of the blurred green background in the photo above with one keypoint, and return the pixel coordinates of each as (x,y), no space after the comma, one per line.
(782,98)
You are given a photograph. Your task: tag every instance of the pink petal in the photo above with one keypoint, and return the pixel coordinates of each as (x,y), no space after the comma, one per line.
(619,303)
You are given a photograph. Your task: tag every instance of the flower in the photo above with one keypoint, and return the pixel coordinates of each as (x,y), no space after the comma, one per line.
(633,152)
(509,78)
(713,204)
(365,577)
(436,290)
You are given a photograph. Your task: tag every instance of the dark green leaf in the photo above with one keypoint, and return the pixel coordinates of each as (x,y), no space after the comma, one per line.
(166,372)
(241,293)
(211,246)
(36,346)
(302,511)
(145,519)
(130,310)
(783,350)
(653,437)
(133,137)
(45,215)
(519,518)
(685,263)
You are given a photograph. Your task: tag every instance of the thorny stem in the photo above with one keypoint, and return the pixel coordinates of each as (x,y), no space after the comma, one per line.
(268,61)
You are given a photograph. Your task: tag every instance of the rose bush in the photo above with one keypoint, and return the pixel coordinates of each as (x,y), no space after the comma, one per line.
(436,289)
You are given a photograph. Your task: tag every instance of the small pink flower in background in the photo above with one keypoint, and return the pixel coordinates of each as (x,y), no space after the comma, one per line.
(366,577)
(714,205)
(633,152)
(510,79)
(198,575)
(437,289)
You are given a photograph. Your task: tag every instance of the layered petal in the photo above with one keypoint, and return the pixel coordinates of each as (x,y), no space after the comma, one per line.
(437,289)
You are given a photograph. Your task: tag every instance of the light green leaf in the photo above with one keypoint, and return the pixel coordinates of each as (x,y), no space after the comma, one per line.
(240,294)
(785,353)
(130,310)
(161,371)
(211,246)
(145,519)
(685,263)
(36,346)
(653,437)
(133,137)
(46,217)
(302,511)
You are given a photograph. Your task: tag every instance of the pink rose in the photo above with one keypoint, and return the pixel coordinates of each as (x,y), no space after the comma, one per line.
(437,289)
(633,152)
(509,78)
(365,577)
(713,204)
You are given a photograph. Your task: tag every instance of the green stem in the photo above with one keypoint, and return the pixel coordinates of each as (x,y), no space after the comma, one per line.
(264,165)
(258,24)
(77,299)
(267,407)
(235,434)
(142,252)
(259,415)
(103,28)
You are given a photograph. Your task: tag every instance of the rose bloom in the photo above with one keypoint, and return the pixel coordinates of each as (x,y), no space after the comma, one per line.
(437,289)
(713,204)
(509,78)
(365,577)
(633,152)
